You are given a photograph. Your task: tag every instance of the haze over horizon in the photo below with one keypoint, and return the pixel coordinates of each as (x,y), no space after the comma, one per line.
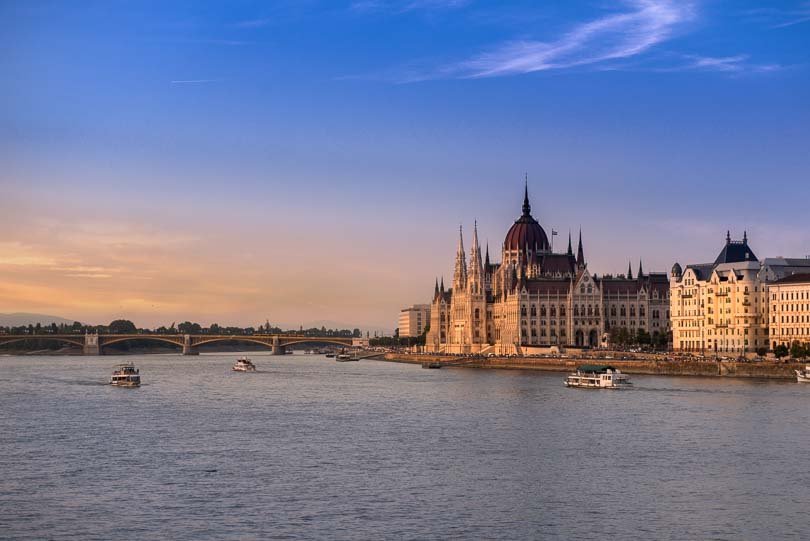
(304,161)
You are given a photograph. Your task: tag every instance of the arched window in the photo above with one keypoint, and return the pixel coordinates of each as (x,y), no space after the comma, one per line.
(553,311)
(534,311)
(543,311)
(523,310)
(613,310)
(623,311)
(576,310)
(590,310)
(562,310)
(477,313)
(632,311)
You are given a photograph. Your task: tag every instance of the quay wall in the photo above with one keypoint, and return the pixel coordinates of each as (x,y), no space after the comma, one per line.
(763,369)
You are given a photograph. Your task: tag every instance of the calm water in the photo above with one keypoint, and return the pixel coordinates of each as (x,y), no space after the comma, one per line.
(314,449)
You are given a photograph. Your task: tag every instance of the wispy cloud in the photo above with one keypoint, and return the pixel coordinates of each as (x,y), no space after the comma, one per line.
(778,17)
(403,6)
(254,23)
(612,37)
(729,64)
(193,81)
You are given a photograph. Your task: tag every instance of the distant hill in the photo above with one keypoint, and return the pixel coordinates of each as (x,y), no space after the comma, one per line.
(20,318)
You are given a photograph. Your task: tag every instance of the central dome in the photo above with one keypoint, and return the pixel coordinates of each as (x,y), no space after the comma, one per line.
(526,231)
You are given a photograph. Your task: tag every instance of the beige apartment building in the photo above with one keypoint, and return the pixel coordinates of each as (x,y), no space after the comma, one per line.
(723,307)
(790,310)
(413,320)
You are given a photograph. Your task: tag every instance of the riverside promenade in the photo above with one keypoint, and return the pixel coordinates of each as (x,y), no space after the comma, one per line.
(654,367)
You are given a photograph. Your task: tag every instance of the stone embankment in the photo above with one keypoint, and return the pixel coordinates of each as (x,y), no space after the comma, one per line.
(677,367)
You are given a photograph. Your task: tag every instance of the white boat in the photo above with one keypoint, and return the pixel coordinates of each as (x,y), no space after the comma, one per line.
(243,364)
(126,375)
(591,376)
(345,357)
(803,376)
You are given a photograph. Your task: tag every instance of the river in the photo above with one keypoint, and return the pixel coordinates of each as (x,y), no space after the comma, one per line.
(307,448)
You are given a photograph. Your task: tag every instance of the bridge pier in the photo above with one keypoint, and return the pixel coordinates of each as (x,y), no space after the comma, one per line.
(91,346)
(278,349)
(188,349)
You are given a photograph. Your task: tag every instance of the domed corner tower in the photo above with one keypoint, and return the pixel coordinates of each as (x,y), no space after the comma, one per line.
(526,238)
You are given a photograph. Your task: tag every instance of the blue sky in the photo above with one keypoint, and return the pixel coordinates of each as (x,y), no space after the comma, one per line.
(322,154)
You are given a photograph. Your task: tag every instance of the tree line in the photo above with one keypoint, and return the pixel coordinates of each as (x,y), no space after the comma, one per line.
(125,326)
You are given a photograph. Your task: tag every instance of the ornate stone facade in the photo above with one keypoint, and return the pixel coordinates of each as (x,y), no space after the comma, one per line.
(535,297)
(723,307)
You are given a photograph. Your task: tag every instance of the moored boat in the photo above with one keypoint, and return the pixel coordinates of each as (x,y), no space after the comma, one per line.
(803,376)
(345,357)
(126,375)
(590,376)
(432,364)
(243,364)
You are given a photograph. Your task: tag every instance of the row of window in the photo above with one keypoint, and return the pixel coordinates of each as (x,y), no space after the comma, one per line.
(793,295)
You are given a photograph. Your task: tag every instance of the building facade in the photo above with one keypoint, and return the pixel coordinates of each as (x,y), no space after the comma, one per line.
(723,307)
(538,298)
(413,320)
(790,310)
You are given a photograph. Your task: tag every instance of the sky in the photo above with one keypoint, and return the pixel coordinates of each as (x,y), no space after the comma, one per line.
(306,161)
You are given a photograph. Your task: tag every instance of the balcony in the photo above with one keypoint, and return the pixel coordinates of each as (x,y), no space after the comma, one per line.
(722,294)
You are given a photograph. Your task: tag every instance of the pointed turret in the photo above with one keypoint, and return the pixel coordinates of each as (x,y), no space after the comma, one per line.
(745,237)
(476,276)
(570,249)
(436,290)
(580,251)
(728,237)
(629,270)
(640,270)
(486,260)
(460,272)
(441,286)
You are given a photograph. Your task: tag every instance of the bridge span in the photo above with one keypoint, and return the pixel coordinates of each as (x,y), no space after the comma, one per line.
(94,344)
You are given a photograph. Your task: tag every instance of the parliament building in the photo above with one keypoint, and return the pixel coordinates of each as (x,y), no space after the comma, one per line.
(535,298)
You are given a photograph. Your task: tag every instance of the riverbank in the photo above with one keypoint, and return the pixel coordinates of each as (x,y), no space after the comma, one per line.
(763,369)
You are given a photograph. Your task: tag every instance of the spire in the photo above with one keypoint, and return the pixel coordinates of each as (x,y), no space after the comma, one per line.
(640,270)
(527,208)
(570,250)
(629,270)
(580,252)
(745,237)
(476,268)
(460,272)
(486,259)
(436,289)
(441,286)
(728,237)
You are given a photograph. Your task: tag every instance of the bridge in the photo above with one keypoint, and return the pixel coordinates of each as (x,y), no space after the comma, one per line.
(94,344)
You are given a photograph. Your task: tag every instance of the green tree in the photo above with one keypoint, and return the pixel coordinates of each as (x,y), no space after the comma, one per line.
(188,327)
(122,326)
(798,351)
(780,351)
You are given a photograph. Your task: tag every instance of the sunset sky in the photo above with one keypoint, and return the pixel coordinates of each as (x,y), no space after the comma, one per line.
(303,160)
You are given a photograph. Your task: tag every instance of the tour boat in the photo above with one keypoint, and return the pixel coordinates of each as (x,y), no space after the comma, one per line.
(597,377)
(243,364)
(431,364)
(126,375)
(330,355)
(345,357)
(803,376)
